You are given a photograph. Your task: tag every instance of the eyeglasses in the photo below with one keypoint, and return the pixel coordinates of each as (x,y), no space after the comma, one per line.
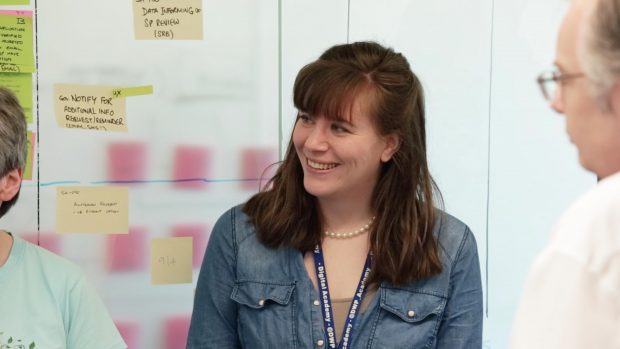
(549,82)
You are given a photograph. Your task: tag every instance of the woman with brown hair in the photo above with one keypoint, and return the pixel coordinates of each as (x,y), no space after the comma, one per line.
(345,249)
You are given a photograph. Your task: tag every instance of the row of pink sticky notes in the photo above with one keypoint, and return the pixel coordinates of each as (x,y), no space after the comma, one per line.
(127,161)
(129,252)
(174,332)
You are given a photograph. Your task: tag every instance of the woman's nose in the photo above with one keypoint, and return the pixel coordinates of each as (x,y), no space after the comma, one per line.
(317,138)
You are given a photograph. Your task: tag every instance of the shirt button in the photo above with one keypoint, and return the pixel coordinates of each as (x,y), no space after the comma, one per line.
(261,302)
(411,313)
(316,302)
(320,342)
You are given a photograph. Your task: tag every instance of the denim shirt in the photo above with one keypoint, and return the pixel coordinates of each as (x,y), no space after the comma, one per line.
(252,296)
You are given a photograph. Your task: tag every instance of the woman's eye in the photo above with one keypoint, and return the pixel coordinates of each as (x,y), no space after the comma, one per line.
(305,118)
(339,128)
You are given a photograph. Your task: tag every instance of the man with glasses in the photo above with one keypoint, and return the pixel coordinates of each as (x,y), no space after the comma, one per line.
(572,296)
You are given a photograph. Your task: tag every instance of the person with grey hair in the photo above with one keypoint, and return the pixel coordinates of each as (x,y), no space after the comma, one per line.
(45,302)
(572,295)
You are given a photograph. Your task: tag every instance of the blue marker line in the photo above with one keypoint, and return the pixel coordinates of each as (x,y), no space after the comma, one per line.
(48,184)
(146,181)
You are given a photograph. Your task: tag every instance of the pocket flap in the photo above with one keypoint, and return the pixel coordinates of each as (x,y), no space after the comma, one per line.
(411,306)
(257,294)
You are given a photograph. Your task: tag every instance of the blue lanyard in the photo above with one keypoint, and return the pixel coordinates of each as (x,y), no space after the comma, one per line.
(328,317)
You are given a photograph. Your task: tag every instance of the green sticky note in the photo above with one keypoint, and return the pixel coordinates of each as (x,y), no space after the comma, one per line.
(29,159)
(14,2)
(21,85)
(132,91)
(16,53)
(28,115)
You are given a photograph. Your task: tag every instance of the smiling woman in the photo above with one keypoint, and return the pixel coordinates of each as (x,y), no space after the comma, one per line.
(345,248)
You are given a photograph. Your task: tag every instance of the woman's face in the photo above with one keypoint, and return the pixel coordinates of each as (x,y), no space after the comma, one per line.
(341,160)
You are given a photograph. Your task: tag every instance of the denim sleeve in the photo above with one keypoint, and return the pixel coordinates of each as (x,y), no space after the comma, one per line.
(461,326)
(214,318)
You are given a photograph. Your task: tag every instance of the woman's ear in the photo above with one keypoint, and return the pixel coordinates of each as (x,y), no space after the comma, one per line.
(392,143)
(10,184)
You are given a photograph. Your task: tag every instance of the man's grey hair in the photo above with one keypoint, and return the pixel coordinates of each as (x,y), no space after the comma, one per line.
(601,52)
(13,129)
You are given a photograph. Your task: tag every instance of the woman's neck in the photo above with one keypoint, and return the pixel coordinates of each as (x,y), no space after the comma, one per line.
(343,216)
(6,243)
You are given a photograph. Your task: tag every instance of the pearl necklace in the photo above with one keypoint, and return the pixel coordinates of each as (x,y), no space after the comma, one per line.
(350,234)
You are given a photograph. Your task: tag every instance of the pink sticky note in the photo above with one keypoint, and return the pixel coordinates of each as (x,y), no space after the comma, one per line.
(191,165)
(127,252)
(200,235)
(127,161)
(19,13)
(175,332)
(256,164)
(48,241)
(130,331)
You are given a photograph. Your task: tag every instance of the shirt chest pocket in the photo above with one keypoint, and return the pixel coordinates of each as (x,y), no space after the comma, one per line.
(408,319)
(265,314)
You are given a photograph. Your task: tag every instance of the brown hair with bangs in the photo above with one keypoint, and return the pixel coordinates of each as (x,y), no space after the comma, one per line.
(401,240)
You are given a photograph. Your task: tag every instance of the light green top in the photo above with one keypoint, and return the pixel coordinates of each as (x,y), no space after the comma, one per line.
(45,303)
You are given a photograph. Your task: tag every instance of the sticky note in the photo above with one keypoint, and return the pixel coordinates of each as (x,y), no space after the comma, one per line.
(89,108)
(101,210)
(191,162)
(128,252)
(16,49)
(200,236)
(168,19)
(130,331)
(127,161)
(256,163)
(49,241)
(171,260)
(14,2)
(132,91)
(176,329)
(31,137)
(21,85)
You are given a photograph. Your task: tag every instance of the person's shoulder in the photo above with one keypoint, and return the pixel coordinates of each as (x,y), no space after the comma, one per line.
(599,206)
(453,236)
(55,273)
(592,223)
(50,262)
(235,224)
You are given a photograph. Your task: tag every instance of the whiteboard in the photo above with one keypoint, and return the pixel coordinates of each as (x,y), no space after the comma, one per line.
(498,153)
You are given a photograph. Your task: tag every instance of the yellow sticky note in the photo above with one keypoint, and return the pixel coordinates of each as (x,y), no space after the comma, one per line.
(89,108)
(132,91)
(168,19)
(171,260)
(102,210)
(30,157)
(16,53)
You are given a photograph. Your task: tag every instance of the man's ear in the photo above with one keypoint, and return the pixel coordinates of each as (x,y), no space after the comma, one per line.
(392,143)
(10,184)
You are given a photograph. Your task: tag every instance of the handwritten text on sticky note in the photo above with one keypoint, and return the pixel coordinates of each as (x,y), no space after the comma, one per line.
(168,19)
(102,210)
(16,53)
(171,260)
(89,107)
